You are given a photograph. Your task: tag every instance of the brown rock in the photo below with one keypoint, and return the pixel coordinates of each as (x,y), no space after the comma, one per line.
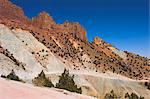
(76,29)
(97,40)
(12,12)
(13,16)
(43,21)
(101,42)
(62,36)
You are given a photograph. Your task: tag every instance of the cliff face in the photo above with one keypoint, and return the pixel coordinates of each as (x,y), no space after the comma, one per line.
(12,13)
(31,46)
(13,16)
(43,21)
(27,56)
(76,29)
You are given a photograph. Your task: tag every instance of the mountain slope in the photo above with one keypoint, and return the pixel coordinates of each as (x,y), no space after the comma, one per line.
(30,46)
(33,57)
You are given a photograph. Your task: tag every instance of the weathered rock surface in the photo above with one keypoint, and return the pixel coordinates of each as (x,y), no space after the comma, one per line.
(43,21)
(10,13)
(28,57)
(30,46)
(13,16)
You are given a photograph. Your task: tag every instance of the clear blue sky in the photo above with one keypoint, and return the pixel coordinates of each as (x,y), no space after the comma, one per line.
(123,23)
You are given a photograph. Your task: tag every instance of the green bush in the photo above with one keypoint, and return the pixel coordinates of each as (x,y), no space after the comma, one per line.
(133,96)
(12,76)
(41,80)
(147,84)
(3,76)
(66,82)
(111,95)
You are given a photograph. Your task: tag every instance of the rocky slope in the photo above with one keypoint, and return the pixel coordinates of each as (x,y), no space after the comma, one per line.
(30,46)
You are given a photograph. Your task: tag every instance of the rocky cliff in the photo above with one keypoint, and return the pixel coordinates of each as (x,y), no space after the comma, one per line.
(30,46)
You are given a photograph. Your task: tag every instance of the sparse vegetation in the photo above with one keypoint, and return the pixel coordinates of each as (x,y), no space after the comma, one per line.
(133,96)
(32,52)
(111,95)
(66,82)
(147,84)
(41,80)
(3,76)
(12,76)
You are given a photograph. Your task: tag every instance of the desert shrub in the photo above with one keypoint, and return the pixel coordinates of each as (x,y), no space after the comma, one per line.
(12,76)
(132,96)
(3,76)
(66,82)
(147,84)
(111,95)
(41,80)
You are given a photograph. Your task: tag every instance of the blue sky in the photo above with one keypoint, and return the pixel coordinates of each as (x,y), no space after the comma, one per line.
(123,23)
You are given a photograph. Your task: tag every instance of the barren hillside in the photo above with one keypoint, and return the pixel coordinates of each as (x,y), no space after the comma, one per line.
(30,46)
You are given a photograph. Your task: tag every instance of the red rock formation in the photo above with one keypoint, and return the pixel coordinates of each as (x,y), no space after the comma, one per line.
(104,47)
(100,41)
(13,16)
(43,21)
(11,12)
(76,29)
(63,36)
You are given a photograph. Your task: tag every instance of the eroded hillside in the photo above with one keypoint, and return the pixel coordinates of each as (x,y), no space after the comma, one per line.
(30,46)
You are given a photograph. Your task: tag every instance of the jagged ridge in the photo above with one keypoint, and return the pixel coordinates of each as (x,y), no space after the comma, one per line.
(59,46)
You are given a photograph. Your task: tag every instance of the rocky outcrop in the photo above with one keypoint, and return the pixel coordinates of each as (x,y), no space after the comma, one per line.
(13,16)
(43,21)
(11,13)
(75,29)
(134,63)
(37,57)
(105,47)
(68,42)
(42,44)
(99,41)
(46,22)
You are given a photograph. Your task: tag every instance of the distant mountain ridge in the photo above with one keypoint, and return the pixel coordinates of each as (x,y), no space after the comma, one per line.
(30,46)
